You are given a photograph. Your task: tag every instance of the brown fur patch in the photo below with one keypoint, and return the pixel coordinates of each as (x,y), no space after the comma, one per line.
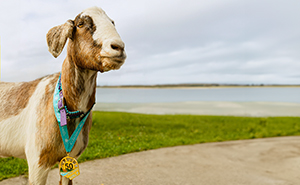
(85,21)
(72,88)
(16,98)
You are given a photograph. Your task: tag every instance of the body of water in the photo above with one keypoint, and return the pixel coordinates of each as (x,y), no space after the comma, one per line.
(155,95)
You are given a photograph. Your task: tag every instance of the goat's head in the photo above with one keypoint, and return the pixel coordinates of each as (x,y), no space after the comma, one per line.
(93,41)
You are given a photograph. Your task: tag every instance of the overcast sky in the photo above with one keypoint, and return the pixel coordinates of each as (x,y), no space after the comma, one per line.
(167,41)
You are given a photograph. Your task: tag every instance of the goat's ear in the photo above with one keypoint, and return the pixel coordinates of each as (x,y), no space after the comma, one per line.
(57,37)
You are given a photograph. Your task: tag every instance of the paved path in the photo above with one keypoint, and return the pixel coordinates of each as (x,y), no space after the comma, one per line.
(271,161)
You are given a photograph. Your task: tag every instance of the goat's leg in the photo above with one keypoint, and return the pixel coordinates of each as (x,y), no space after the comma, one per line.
(65,181)
(37,174)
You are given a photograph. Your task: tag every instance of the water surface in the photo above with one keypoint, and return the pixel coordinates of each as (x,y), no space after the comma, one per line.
(155,95)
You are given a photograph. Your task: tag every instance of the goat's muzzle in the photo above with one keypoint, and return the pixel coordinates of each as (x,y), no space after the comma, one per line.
(111,62)
(112,55)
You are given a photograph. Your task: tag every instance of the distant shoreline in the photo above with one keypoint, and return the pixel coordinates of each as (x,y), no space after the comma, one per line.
(191,86)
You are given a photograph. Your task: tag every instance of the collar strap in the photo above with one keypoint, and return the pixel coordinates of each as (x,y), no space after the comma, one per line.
(61,116)
(61,105)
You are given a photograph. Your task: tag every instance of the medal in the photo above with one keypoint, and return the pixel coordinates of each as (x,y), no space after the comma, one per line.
(69,168)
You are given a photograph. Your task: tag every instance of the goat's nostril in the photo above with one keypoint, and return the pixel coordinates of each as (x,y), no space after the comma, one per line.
(117,47)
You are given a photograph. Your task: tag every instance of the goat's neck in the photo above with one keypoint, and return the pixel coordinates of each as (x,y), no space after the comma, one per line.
(78,85)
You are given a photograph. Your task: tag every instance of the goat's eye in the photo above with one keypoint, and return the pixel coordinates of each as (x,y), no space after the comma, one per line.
(80,25)
(113,22)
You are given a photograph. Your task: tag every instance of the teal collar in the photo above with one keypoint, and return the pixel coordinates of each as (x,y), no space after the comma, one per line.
(61,114)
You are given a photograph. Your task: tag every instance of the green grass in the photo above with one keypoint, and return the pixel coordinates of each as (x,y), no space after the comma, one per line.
(114,134)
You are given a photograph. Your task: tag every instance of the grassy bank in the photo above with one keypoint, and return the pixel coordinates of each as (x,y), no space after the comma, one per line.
(114,134)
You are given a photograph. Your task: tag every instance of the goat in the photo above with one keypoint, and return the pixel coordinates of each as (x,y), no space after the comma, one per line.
(28,126)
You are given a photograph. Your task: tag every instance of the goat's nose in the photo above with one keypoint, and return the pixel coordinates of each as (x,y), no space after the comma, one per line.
(117,46)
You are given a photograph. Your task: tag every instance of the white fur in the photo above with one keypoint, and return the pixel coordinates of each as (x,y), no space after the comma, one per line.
(106,33)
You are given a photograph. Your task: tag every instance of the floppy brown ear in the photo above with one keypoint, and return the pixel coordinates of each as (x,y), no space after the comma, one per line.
(57,37)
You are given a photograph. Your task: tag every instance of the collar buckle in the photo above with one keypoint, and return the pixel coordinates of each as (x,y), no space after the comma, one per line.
(60,104)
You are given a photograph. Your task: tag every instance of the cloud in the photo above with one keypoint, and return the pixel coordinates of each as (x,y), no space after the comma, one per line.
(167,41)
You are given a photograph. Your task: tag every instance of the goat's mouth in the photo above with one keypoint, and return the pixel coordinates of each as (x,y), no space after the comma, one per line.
(111,63)
(119,60)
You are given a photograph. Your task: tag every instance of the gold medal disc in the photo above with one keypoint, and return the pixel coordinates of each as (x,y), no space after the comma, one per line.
(68,167)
